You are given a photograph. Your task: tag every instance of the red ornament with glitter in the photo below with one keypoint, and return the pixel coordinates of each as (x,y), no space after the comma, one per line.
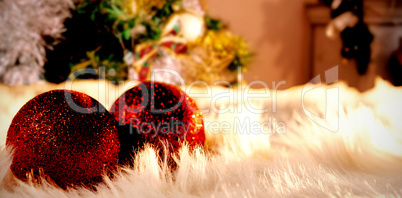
(157,113)
(66,136)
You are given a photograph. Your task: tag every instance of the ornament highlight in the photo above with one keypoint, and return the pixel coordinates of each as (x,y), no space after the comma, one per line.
(157,113)
(189,25)
(66,136)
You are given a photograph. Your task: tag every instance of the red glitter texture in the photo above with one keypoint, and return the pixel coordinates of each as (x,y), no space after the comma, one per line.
(154,112)
(66,135)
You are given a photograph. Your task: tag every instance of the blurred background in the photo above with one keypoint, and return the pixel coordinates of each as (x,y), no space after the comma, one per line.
(287,42)
(290,39)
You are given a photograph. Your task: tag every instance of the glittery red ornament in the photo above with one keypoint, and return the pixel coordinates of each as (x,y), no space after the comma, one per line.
(155,113)
(65,135)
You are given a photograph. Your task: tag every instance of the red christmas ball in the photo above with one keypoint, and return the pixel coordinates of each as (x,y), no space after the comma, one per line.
(65,135)
(157,113)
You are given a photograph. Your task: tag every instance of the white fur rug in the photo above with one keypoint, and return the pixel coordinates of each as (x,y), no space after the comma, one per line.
(352,148)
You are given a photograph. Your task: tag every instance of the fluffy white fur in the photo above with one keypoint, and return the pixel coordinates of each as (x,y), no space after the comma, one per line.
(362,159)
